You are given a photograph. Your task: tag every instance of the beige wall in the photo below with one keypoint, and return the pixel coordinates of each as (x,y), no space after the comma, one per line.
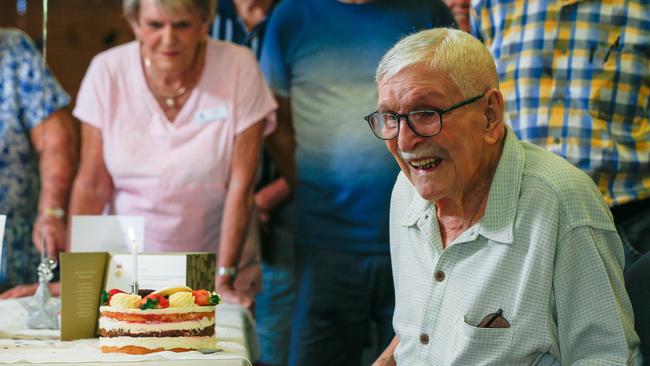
(77,30)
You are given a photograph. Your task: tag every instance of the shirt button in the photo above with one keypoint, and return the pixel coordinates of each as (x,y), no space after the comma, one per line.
(439,276)
(424,339)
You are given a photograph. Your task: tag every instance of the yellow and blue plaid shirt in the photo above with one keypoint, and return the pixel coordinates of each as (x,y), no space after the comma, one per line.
(576,79)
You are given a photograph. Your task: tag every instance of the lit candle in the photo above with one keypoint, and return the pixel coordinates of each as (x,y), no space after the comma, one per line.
(134,257)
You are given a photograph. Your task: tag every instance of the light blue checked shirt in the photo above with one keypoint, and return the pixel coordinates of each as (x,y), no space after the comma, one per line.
(546,252)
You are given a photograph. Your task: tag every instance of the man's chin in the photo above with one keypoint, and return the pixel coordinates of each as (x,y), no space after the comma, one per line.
(427,191)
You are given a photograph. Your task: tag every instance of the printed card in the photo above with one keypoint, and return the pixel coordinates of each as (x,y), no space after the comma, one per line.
(103,233)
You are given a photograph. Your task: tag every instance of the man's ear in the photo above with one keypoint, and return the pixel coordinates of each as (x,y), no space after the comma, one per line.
(493,114)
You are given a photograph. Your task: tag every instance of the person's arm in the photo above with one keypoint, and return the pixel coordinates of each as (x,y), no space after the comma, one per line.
(248,281)
(281,144)
(55,142)
(593,313)
(269,197)
(93,185)
(386,358)
(29,290)
(238,207)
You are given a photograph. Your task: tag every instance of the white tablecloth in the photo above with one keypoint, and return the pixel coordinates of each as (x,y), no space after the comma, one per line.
(236,342)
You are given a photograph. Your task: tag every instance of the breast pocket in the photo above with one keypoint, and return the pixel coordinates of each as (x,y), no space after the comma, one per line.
(479,346)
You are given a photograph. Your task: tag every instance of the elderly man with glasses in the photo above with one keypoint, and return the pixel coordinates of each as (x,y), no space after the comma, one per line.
(502,252)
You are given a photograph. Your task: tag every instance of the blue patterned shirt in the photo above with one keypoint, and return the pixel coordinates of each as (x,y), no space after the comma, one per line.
(28,95)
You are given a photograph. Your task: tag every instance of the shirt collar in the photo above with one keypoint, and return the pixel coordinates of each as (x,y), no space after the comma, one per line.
(416,209)
(497,223)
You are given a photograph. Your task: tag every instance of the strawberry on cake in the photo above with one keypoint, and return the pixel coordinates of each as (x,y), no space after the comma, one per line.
(173,319)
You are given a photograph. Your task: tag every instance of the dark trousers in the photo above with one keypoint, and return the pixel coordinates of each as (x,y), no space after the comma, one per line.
(337,296)
(633,225)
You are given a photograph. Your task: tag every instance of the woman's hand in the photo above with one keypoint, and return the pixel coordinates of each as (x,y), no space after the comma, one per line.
(29,290)
(243,288)
(249,280)
(226,291)
(51,231)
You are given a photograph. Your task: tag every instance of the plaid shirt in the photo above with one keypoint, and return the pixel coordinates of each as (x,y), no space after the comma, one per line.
(576,79)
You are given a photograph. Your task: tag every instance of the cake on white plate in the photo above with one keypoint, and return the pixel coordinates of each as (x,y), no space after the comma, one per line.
(173,319)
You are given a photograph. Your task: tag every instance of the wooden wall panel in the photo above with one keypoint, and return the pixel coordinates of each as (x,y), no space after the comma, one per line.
(77,30)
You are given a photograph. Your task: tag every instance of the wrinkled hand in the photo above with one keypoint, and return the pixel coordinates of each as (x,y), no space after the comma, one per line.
(29,290)
(228,294)
(53,231)
(385,361)
(249,280)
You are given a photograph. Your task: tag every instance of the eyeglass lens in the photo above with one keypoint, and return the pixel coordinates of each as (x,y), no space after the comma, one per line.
(386,125)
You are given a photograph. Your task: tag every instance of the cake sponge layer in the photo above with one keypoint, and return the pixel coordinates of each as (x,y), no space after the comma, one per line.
(156,344)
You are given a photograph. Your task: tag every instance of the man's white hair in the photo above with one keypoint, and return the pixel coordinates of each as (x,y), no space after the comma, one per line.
(456,53)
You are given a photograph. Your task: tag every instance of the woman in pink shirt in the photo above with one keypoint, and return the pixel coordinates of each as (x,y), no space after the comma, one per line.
(173,124)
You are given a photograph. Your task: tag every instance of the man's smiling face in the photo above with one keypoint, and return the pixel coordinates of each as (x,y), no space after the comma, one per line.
(447,164)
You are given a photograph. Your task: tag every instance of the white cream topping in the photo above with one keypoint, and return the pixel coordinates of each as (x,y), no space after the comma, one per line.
(191,309)
(113,324)
(209,342)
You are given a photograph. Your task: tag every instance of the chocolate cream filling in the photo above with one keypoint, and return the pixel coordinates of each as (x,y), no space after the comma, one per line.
(207,331)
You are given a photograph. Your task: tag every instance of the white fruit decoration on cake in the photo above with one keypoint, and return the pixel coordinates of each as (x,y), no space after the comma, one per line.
(172,319)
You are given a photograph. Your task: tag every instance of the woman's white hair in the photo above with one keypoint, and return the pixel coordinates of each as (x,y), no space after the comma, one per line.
(205,8)
(456,53)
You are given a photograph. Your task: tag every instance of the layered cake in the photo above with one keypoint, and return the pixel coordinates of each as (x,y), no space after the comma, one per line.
(174,319)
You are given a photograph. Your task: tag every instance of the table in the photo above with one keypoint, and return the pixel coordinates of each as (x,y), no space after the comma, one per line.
(236,341)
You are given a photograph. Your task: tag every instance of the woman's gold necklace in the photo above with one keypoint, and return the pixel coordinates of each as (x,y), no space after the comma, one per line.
(169,100)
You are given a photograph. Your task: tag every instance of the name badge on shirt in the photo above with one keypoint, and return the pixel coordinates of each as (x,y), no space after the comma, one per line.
(211,115)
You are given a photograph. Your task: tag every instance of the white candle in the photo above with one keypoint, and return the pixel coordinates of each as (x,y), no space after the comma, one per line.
(134,255)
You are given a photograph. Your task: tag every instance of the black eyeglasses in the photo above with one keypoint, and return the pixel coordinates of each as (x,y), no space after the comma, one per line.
(424,123)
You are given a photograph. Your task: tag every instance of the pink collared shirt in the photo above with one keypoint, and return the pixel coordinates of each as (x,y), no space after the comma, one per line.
(173,174)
